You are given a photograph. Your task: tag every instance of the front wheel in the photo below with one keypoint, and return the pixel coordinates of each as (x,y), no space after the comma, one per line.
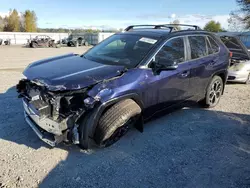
(69,44)
(213,93)
(116,121)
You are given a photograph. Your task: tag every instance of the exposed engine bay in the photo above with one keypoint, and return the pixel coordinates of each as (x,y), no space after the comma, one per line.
(58,111)
(236,62)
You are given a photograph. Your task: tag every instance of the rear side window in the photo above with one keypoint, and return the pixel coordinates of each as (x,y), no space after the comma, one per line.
(198,46)
(173,50)
(212,46)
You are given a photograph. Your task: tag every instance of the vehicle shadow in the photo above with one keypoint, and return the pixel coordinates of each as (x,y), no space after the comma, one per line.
(191,147)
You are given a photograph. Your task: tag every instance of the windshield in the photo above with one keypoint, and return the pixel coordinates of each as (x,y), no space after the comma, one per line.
(127,50)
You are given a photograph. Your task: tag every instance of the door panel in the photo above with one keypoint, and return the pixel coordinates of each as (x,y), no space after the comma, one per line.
(203,62)
(169,87)
(174,85)
(201,71)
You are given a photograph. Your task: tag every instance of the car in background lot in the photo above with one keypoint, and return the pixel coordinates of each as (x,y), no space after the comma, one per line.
(121,82)
(77,39)
(42,41)
(239,70)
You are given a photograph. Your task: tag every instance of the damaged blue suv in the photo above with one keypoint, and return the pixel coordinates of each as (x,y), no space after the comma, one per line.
(122,81)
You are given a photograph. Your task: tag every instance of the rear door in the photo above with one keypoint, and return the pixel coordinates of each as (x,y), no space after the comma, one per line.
(203,61)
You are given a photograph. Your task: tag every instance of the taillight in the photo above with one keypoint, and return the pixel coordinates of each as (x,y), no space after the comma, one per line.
(231,54)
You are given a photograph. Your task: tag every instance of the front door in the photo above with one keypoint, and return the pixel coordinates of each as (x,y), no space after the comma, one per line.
(170,87)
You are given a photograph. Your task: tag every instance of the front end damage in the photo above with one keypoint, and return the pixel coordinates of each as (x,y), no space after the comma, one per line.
(54,115)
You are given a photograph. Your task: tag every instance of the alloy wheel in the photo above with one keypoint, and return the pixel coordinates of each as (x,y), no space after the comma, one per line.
(215,92)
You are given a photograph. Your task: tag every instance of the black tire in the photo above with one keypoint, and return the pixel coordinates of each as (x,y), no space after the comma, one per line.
(213,92)
(34,45)
(69,44)
(248,79)
(115,122)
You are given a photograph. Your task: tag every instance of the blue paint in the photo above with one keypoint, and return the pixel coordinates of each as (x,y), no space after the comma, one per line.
(167,87)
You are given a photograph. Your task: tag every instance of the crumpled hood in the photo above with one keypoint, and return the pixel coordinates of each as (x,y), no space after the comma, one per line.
(69,72)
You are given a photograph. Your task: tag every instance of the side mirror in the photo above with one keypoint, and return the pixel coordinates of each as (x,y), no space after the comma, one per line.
(165,64)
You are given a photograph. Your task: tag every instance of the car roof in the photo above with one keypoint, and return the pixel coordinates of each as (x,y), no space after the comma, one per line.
(164,33)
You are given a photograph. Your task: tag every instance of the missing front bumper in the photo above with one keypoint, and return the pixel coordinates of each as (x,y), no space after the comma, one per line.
(47,130)
(47,138)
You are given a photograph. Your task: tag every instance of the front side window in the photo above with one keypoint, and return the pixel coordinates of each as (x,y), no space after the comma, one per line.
(172,51)
(197,46)
(122,49)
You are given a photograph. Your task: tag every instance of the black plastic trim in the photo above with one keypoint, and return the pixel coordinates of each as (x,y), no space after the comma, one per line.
(90,121)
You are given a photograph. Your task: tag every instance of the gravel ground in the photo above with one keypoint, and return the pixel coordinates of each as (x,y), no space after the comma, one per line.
(191,147)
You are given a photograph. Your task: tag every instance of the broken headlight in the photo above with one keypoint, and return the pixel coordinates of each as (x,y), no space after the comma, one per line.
(89,102)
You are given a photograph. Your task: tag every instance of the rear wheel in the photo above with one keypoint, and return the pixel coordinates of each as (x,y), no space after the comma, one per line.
(213,93)
(116,121)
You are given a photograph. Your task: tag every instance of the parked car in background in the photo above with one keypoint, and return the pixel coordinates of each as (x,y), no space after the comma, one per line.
(239,70)
(7,42)
(1,42)
(42,41)
(77,39)
(121,82)
(65,40)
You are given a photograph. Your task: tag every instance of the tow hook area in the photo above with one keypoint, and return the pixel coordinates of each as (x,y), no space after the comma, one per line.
(48,138)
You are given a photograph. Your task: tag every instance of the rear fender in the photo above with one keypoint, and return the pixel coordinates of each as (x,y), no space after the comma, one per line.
(223,74)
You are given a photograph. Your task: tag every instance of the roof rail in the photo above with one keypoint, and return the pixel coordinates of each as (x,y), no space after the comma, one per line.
(185,25)
(172,27)
(154,27)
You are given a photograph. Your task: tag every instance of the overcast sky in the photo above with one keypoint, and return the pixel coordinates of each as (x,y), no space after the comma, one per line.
(119,14)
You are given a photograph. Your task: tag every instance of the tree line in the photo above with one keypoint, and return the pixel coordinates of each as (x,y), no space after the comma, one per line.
(239,19)
(27,22)
(15,22)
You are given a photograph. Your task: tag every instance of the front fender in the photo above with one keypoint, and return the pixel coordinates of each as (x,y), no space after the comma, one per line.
(91,120)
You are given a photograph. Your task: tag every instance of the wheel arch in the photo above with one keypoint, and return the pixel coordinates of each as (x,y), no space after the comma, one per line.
(222,74)
(91,120)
